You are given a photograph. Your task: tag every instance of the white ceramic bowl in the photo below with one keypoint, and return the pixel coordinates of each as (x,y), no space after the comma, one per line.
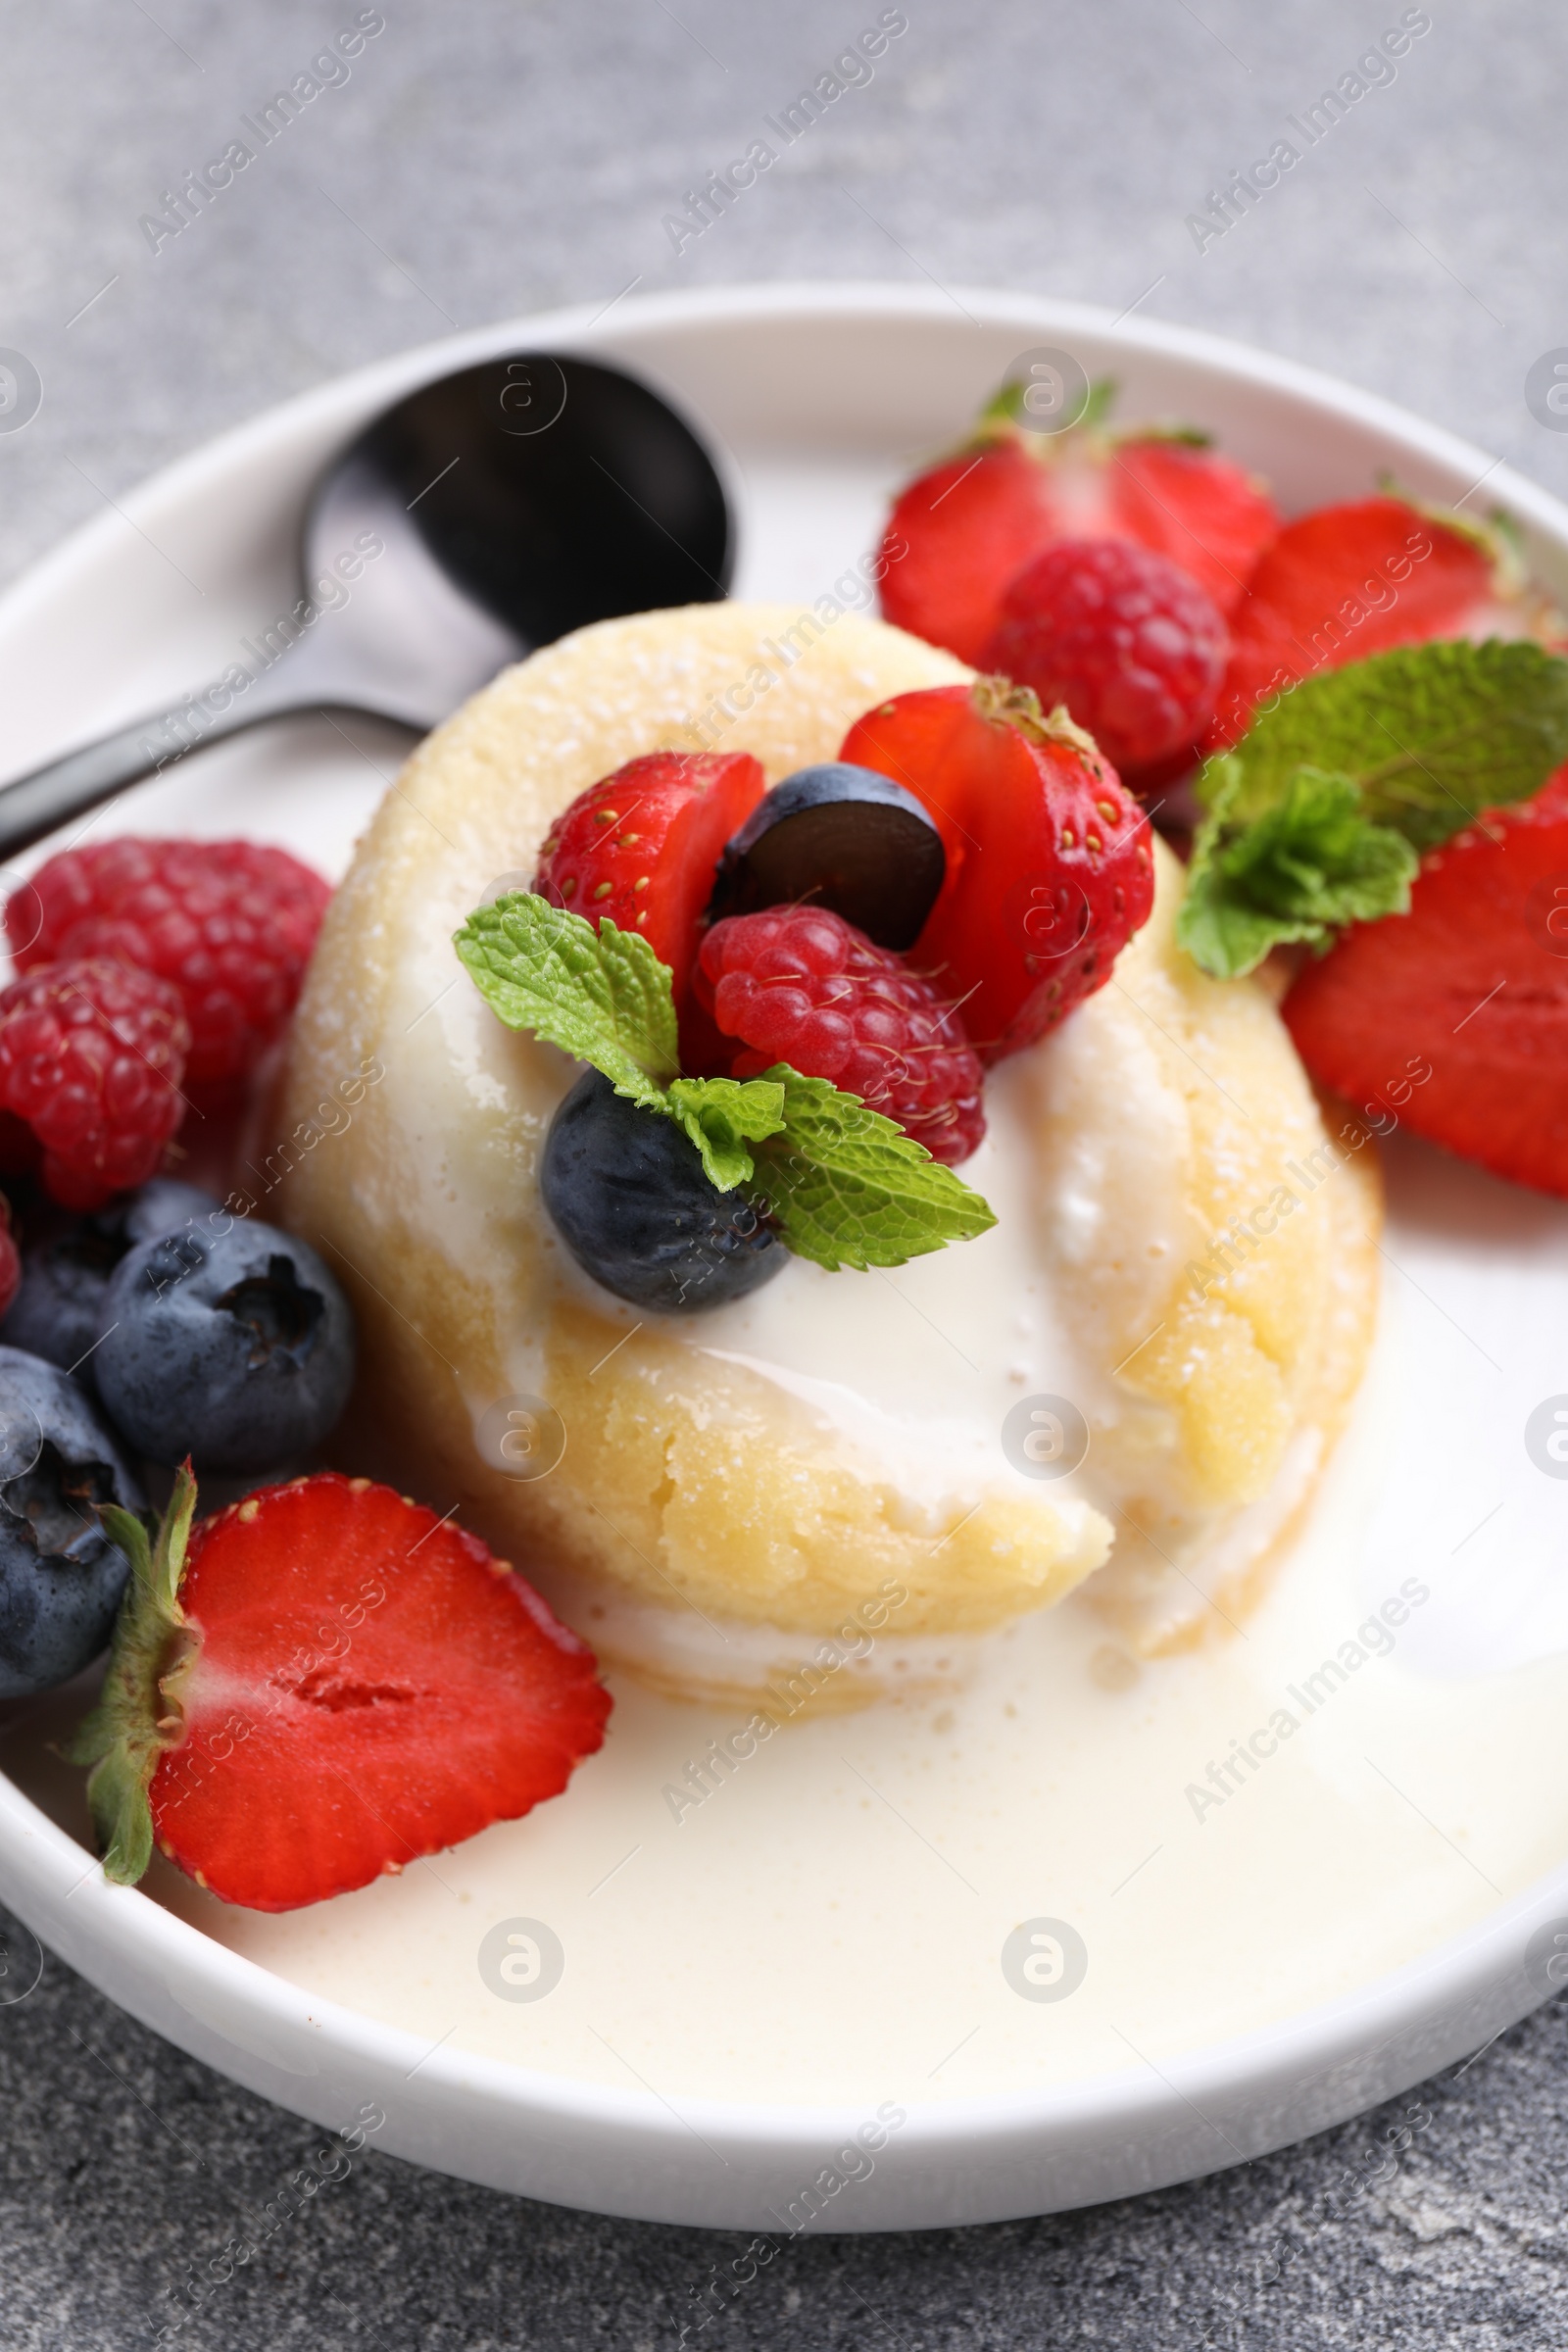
(820,396)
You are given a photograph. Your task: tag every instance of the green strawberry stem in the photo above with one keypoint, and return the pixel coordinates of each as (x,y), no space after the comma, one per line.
(135,1720)
(1010,705)
(1006,408)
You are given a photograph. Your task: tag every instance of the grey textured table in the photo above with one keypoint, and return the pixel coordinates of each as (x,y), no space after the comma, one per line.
(488,157)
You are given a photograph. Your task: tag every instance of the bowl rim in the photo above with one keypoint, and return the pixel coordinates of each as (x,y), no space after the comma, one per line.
(1425,2009)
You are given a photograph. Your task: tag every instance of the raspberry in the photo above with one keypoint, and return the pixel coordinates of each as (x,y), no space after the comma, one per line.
(1125,638)
(960,531)
(92,1058)
(797,984)
(230,923)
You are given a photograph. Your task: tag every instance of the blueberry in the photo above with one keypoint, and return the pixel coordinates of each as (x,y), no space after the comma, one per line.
(61,1578)
(630,1200)
(236,1348)
(58,1311)
(840,837)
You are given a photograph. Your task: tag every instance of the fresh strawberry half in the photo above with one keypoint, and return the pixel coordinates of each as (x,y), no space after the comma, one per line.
(960,532)
(322,1684)
(1454,1017)
(1350,580)
(643,847)
(1048,869)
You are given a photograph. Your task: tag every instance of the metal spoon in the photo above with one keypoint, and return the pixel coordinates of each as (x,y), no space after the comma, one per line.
(485,515)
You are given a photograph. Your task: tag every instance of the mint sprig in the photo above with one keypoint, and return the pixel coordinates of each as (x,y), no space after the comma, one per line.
(721,1116)
(1309,864)
(845,1185)
(1318,815)
(601,996)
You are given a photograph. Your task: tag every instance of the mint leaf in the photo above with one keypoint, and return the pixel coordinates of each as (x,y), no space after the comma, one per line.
(1318,815)
(1311,863)
(721,1115)
(848,1188)
(1431,733)
(604,996)
(601,995)
(845,1185)
(136,1717)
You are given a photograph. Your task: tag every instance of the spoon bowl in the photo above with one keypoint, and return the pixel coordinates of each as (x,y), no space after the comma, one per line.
(484,515)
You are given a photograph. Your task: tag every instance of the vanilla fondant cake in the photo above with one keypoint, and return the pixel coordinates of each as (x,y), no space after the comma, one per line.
(1181,1255)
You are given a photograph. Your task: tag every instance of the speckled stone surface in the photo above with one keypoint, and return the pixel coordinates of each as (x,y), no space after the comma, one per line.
(488,157)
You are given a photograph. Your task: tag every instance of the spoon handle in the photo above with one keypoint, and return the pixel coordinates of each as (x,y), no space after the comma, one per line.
(51,796)
(299,681)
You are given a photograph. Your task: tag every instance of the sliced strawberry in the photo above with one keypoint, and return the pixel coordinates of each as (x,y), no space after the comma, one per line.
(954,538)
(1048,868)
(643,847)
(329,1682)
(1346,581)
(1208,513)
(959,532)
(1454,1017)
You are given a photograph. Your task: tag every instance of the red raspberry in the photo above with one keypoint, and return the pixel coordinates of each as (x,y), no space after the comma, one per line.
(91,1057)
(797,984)
(960,531)
(1125,638)
(230,923)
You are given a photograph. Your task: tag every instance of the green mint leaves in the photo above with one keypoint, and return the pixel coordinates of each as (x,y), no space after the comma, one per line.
(1431,733)
(1318,816)
(135,1721)
(1304,867)
(721,1116)
(601,996)
(845,1185)
(849,1188)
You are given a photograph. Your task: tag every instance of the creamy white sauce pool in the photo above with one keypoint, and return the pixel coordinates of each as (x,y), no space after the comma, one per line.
(828,1923)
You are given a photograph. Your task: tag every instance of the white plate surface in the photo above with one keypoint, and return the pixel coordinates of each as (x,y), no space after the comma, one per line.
(748,1986)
